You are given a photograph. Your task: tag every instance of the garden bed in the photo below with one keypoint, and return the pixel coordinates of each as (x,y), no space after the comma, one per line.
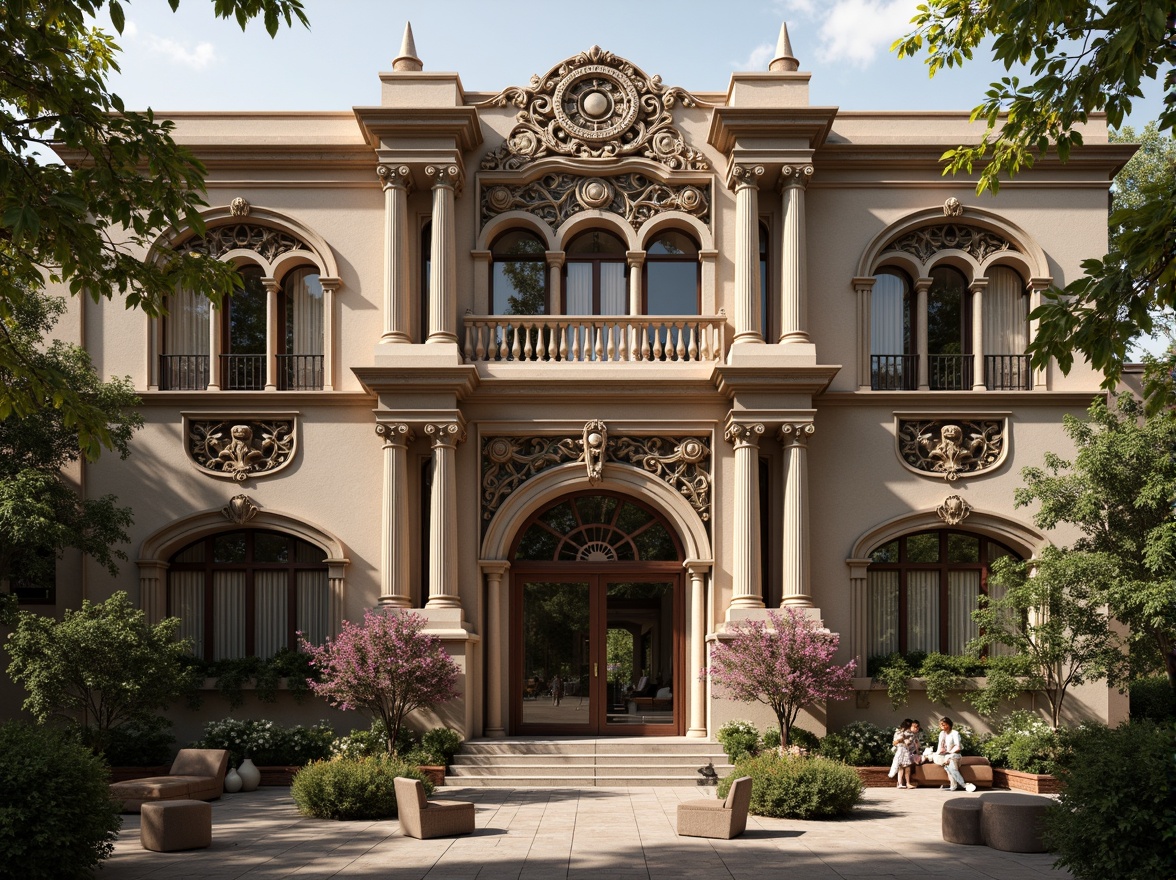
(276,774)
(1034,783)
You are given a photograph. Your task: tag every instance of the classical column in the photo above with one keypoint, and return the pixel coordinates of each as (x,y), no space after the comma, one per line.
(397,184)
(495,642)
(555,264)
(443,256)
(697,569)
(394,543)
(330,286)
(922,285)
(272,289)
(796,591)
(794,254)
(864,288)
(1036,286)
(748,320)
(978,287)
(215,316)
(635,260)
(443,551)
(745,563)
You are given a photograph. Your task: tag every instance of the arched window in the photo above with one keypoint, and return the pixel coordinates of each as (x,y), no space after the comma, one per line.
(949,335)
(672,274)
(922,590)
(1006,330)
(246,593)
(595,275)
(893,363)
(300,358)
(597,528)
(518,280)
(244,334)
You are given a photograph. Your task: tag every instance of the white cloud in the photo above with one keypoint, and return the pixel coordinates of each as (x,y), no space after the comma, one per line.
(759,58)
(197,58)
(855,31)
(130,30)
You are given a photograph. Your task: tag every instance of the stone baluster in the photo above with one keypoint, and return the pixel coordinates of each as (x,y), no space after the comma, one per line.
(394,543)
(397,184)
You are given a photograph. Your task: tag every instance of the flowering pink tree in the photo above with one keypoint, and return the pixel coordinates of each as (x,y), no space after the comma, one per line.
(386,667)
(787,666)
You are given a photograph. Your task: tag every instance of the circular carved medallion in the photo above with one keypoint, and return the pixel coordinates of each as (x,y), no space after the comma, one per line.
(595,104)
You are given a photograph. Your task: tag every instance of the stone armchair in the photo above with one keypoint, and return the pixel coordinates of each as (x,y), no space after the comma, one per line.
(421,819)
(196,774)
(719,819)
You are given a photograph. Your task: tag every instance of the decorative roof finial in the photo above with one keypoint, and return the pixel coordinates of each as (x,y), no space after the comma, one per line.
(784,61)
(407,59)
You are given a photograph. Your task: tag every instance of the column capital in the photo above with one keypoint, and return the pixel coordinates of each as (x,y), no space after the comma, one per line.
(271,285)
(496,568)
(1041,282)
(445,434)
(744,434)
(795,176)
(978,285)
(922,285)
(395,177)
(744,176)
(330,283)
(555,259)
(698,567)
(445,176)
(635,259)
(796,433)
(395,433)
(863,283)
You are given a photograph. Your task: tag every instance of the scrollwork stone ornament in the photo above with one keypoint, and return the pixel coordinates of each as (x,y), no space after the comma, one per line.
(595,105)
(928,241)
(795,175)
(218,241)
(239,449)
(796,433)
(239,207)
(395,176)
(240,509)
(744,434)
(595,442)
(952,448)
(445,175)
(954,510)
(395,434)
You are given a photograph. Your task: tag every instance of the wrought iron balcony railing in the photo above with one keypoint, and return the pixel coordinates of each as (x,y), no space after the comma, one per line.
(949,372)
(300,372)
(183,372)
(1007,372)
(894,372)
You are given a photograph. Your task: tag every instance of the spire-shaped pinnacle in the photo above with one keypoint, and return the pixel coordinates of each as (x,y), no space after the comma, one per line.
(407,59)
(784,61)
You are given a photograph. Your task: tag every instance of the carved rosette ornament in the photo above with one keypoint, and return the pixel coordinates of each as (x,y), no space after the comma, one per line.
(240,448)
(595,105)
(924,243)
(683,463)
(954,510)
(240,509)
(268,243)
(395,176)
(952,448)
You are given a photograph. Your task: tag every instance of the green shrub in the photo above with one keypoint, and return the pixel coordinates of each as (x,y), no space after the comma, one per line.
(372,742)
(738,738)
(789,787)
(56,817)
(351,788)
(860,744)
(771,738)
(1022,742)
(139,745)
(439,745)
(1116,815)
(267,743)
(1154,699)
(233,674)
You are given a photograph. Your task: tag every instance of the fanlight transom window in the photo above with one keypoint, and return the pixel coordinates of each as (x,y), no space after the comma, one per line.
(597,528)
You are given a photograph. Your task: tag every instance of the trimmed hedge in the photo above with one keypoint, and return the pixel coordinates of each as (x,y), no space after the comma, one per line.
(351,788)
(788,787)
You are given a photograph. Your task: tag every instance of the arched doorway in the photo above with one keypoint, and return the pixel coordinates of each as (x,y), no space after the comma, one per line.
(598,619)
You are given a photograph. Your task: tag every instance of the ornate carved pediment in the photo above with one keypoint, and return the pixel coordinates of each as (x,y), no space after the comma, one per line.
(952,448)
(554,198)
(239,448)
(216,242)
(924,243)
(595,105)
(681,462)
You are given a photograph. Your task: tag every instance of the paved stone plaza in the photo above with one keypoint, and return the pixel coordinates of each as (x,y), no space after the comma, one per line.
(536,833)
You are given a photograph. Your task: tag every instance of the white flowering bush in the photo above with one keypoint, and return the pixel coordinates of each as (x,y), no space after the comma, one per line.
(268,743)
(738,738)
(860,744)
(1023,742)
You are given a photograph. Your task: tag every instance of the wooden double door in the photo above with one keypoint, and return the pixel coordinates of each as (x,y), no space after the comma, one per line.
(599,651)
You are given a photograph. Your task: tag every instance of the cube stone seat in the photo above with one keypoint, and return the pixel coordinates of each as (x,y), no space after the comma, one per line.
(1012,821)
(421,818)
(170,826)
(960,821)
(196,774)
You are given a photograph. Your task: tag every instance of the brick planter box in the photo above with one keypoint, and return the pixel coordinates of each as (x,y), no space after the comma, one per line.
(875,777)
(122,774)
(277,775)
(1034,783)
(435,772)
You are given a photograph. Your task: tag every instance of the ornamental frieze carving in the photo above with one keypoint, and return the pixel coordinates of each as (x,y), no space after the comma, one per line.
(240,448)
(952,448)
(595,105)
(924,243)
(683,463)
(216,242)
(554,198)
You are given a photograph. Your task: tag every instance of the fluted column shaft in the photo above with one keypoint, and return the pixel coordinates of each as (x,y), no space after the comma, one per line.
(394,549)
(922,285)
(497,637)
(443,551)
(864,287)
(396,183)
(748,321)
(797,591)
(794,254)
(978,287)
(697,569)
(747,589)
(443,256)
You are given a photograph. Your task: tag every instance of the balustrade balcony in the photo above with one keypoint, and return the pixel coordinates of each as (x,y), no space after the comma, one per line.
(593,338)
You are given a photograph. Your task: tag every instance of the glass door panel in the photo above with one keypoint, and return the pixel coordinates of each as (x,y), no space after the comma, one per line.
(556,654)
(640,620)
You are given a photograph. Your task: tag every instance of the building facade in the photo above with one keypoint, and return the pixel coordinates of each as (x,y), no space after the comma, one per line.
(589,369)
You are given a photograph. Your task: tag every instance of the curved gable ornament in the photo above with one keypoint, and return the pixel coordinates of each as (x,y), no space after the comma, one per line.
(951,448)
(594,105)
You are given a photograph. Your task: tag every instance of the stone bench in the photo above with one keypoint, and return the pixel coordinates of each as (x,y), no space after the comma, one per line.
(961,821)
(974,770)
(172,825)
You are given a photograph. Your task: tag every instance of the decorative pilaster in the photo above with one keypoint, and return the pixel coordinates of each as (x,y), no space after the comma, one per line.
(555,264)
(794,254)
(922,286)
(397,183)
(978,286)
(747,590)
(748,320)
(497,639)
(858,612)
(443,551)
(443,255)
(864,288)
(394,551)
(1036,287)
(272,290)
(330,286)
(797,591)
(697,569)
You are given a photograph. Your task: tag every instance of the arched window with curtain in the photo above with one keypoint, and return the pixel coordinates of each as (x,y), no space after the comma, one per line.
(672,275)
(595,275)
(922,589)
(244,334)
(300,358)
(518,280)
(949,333)
(183,362)
(893,363)
(1006,331)
(247,593)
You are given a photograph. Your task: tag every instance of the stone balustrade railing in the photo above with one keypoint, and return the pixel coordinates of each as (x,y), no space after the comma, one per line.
(588,338)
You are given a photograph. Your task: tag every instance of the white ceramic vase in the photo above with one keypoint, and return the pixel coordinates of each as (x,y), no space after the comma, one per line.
(232,781)
(250,775)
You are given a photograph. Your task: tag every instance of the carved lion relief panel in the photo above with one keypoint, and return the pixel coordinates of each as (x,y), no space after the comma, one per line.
(240,447)
(951,448)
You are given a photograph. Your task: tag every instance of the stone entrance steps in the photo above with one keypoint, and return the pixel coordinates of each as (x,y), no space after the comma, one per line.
(577,762)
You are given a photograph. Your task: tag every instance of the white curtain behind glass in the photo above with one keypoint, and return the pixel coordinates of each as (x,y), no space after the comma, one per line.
(579,293)
(304,312)
(186,601)
(887,318)
(922,611)
(186,327)
(313,594)
(882,593)
(1006,313)
(228,626)
(270,612)
(963,595)
(614,293)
